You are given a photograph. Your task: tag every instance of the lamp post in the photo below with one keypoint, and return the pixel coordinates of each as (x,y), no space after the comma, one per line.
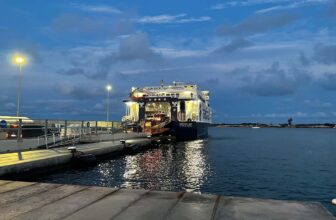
(108,89)
(19,60)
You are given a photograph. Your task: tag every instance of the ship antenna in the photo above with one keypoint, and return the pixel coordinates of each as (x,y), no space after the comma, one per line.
(161,83)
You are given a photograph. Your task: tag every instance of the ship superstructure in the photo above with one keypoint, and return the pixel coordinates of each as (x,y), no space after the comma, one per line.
(170,109)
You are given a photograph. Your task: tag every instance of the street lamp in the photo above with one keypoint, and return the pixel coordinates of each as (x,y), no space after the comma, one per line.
(19,60)
(108,89)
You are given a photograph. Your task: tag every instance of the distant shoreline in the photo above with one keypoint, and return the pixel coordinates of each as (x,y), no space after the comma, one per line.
(250,125)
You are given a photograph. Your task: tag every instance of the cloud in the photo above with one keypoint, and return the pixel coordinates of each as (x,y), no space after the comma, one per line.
(212,81)
(328,81)
(135,47)
(295,115)
(9,106)
(218,7)
(83,25)
(325,54)
(276,4)
(171,19)
(90,74)
(76,23)
(78,91)
(274,81)
(98,8)
(235,44)
(233,4)
(258,23)
(294,4)
(332,9)
(303,59)
(132,49)
(282,115)
(317,103)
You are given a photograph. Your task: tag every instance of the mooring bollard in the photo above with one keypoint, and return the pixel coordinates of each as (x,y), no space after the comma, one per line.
(73,151)
(123,141)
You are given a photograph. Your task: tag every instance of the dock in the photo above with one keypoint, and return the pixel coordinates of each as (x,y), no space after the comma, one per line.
(34,160)
(31,200)
(8,146)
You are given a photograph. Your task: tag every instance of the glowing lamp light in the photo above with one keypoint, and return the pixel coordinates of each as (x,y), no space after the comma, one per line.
(108,87)
(19,60)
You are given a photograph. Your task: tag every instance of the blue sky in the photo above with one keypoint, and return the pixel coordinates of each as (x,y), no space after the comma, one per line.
(262,60)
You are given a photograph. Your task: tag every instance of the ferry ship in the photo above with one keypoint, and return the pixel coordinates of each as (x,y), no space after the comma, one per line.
(180,110)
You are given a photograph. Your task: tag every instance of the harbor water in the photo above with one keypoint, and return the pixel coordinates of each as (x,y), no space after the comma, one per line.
(287,164)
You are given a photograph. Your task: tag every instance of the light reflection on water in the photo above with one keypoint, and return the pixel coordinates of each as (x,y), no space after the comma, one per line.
(194,168)
(290,164)
(159,169)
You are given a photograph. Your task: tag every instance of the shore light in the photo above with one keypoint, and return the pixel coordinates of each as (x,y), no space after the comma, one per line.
(19,60)
(108,89)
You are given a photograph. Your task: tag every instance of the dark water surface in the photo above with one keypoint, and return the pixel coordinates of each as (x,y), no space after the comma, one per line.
(291,164)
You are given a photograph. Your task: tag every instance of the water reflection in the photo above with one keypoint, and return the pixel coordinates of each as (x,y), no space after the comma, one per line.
(170,167)
(194,167)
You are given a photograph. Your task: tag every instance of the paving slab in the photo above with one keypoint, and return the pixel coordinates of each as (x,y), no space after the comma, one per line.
(13,186)
(194,206)
(154,205)
(110,206)
(68,205)
(24,192)
(20,207)
(235,208)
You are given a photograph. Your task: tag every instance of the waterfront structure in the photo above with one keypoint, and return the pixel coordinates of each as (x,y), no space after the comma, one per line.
(181,110)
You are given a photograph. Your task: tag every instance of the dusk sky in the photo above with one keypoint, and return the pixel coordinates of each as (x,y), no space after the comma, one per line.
(261,60)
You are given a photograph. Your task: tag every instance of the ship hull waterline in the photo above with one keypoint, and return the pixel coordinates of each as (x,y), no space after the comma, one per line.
(187,130)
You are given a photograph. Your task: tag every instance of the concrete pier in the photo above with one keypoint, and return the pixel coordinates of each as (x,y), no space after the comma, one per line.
(29,200)
(9,146)
(41,159)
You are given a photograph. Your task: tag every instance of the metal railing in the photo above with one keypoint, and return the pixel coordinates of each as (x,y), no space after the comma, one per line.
(49,133)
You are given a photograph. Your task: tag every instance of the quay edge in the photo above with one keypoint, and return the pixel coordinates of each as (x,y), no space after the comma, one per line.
(42,161)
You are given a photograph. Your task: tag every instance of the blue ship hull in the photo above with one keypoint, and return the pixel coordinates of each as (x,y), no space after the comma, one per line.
(188,130)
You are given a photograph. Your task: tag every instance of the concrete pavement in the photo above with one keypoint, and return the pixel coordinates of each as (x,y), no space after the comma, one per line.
(24,200)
